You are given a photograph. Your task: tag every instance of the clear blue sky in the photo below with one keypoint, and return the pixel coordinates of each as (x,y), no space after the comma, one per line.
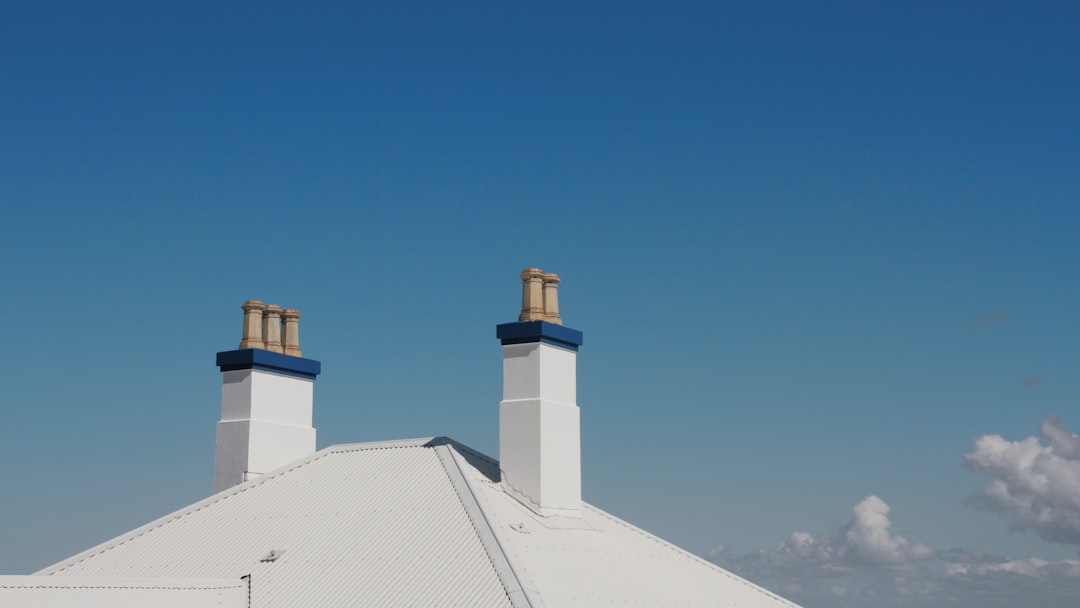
(816,251)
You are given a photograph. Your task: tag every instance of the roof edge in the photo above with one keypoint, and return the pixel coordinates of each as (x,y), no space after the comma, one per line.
(116,541)
(513,579)
(687,554)
(126,582)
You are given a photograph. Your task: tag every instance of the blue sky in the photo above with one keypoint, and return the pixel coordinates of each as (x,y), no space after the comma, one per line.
(816,253)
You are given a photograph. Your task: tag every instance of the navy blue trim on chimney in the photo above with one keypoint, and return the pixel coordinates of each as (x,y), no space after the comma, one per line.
(268,361)
(526,332)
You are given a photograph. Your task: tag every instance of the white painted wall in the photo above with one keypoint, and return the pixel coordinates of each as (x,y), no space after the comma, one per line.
(540,428)
(254,393)
(94,592)
(265,424)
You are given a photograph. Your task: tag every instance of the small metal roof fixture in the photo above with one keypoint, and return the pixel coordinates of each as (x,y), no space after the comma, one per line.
(273,555)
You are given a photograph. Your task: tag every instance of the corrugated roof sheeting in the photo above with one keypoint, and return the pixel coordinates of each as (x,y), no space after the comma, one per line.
(375,525)
(412,523)
(601,559)
(94,592)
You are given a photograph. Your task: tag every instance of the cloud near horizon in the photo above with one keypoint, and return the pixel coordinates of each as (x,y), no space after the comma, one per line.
(865,540)
(860,563)
(863,562)
(1035,484)
(1032,567)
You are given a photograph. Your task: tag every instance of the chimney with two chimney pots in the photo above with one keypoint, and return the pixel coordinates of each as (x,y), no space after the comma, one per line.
(539,419)
(267,396)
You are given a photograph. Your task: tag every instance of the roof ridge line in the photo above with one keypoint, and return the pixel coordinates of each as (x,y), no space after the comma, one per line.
(415,442)
(461,447)
(510,576)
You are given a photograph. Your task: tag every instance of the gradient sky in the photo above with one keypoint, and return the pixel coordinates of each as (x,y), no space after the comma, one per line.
(816,252)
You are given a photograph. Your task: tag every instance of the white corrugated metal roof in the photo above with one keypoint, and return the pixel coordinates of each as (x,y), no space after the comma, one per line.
(366,525)
(417,522)
(94,592)
(599,558)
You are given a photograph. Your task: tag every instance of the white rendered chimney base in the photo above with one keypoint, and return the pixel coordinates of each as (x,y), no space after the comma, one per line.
(539,419)
(266,414)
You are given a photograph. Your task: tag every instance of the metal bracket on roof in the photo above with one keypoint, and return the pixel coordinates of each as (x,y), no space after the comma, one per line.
(273,555)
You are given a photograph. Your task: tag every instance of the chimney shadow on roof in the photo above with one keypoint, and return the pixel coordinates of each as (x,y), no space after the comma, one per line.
(487,466)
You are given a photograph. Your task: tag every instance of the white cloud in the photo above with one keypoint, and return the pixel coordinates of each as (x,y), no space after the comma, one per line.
(1035,484)
(960,579)
(985,580)
(1033,567)
(863,563)
(868,539)
(1035,481)
(1062,441)
(864,541)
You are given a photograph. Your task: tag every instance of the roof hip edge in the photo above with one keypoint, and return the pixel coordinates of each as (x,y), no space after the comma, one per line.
(513,579)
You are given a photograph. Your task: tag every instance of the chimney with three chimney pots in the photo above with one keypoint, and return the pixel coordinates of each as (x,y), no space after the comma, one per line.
(266,397)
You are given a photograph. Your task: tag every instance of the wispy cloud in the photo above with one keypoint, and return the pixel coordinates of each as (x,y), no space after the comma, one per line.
(1036,484)
(1033,568)
(716,552)
(1031,382)
(989,580)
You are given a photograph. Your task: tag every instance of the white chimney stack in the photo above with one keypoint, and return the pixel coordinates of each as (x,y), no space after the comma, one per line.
(266,398)
(539,419)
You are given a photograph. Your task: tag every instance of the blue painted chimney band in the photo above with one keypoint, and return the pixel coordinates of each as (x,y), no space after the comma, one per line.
(269,361)
(526,332)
